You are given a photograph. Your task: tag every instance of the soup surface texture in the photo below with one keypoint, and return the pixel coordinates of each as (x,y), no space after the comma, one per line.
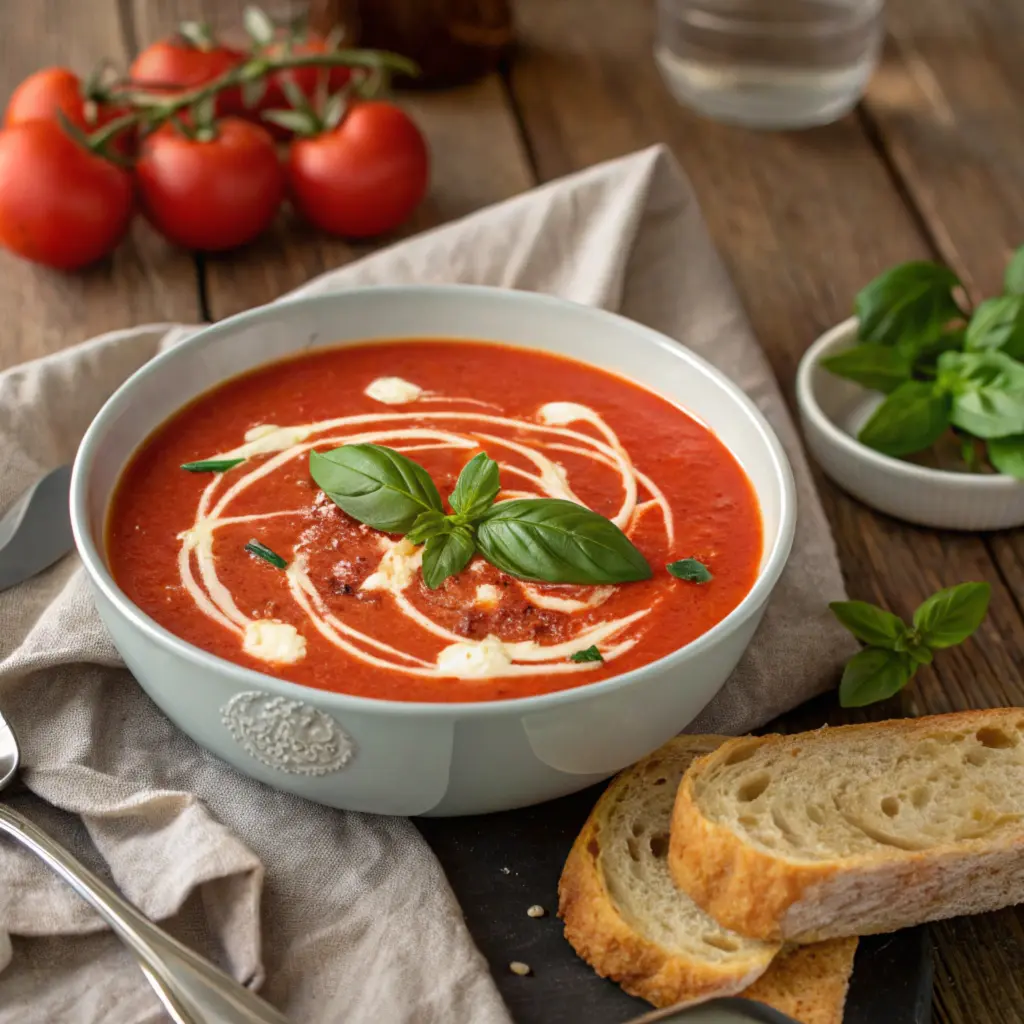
(350,611)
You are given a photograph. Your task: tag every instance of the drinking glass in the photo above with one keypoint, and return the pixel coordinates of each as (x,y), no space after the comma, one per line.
(768,63)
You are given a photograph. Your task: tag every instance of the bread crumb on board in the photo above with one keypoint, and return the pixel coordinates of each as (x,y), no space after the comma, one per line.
(518,967)
(536,911)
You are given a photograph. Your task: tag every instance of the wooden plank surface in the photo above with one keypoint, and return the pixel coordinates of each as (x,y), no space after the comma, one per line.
(803,221)
(945,107)
(931,165)
(144,281)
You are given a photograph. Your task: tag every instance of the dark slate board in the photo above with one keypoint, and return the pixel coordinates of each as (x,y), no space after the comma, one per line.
(501,864)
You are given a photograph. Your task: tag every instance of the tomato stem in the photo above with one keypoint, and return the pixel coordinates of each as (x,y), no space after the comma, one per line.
(153,109)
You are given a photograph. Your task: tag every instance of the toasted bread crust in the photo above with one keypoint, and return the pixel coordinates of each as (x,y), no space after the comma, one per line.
(612,947)
(808,983)
(767,895)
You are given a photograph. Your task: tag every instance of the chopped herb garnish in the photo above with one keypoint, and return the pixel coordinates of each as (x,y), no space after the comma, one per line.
(691,570)
(254,547)
(590,654)
(212,465)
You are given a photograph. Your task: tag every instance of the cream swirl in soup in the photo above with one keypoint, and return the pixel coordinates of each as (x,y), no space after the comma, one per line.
(345,607)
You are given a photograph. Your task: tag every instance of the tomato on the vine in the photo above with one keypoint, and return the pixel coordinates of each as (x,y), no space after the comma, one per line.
(210,193)
(45,92)
(174,65)
(310,81)
(364,177)
(60,204)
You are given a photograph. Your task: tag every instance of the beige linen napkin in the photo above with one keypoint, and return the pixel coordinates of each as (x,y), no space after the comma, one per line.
(348,917)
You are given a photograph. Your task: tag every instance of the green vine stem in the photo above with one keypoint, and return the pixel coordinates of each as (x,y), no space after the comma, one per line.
(153,109)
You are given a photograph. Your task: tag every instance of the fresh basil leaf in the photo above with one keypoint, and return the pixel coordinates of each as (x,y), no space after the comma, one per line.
(1013,282)
(1007,455)
(998,324)
(909,304)
(921,654)
(879,367)
(869,623)
(952,615)
(988,392)
(446,554)
(212,465)
(874,674)
(477,487)
(589,654)
(557,541)
(378,486)
(691,570)
(911,419)
(254,547)
(428,524)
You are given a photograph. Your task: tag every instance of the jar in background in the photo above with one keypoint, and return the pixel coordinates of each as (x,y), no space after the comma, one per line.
(768,63)
(452,41)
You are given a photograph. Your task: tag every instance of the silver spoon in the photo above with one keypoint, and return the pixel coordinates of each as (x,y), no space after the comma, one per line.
(191,989)
(36,530)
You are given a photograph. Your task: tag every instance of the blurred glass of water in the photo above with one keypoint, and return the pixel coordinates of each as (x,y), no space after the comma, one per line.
(768,63)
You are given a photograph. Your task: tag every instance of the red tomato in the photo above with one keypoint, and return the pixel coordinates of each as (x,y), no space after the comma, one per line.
(60,204)
(45,92)
(210,195)
(173,65)
(365,177)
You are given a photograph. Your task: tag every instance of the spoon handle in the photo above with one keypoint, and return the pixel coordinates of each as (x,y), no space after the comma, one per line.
(191,989)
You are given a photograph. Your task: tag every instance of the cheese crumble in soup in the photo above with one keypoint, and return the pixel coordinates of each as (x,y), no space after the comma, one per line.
(348,610)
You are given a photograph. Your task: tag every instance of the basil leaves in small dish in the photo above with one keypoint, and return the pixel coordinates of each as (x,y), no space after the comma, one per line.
(945,369)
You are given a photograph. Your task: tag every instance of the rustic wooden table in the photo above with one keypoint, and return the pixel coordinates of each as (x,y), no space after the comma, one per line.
(930,166)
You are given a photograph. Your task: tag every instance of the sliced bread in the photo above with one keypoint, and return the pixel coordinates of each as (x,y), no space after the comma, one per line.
(623,915)
(855,830)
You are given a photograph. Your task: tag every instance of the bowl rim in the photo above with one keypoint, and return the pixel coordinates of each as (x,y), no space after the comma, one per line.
(910,472)
(249,679)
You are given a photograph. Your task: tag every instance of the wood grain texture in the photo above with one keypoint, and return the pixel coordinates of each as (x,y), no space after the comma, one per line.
(803,220)
(43,310)
(476,159)
(945,109)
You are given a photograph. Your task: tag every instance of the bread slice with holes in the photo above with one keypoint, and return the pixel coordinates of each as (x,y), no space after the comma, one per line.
(855,830)
(623,915)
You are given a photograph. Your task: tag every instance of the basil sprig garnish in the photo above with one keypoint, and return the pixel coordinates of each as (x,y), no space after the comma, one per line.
(895,650)
(557,541)
(541,539)
(376,485)
(446,554)
(477,487)
(940,366)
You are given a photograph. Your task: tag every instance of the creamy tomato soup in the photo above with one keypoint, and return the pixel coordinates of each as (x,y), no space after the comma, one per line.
(344,607)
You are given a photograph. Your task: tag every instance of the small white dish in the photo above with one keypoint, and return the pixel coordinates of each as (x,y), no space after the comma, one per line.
(832,410)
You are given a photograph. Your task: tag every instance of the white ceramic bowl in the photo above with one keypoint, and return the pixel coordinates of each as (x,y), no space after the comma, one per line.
(832,410)
(406,758)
